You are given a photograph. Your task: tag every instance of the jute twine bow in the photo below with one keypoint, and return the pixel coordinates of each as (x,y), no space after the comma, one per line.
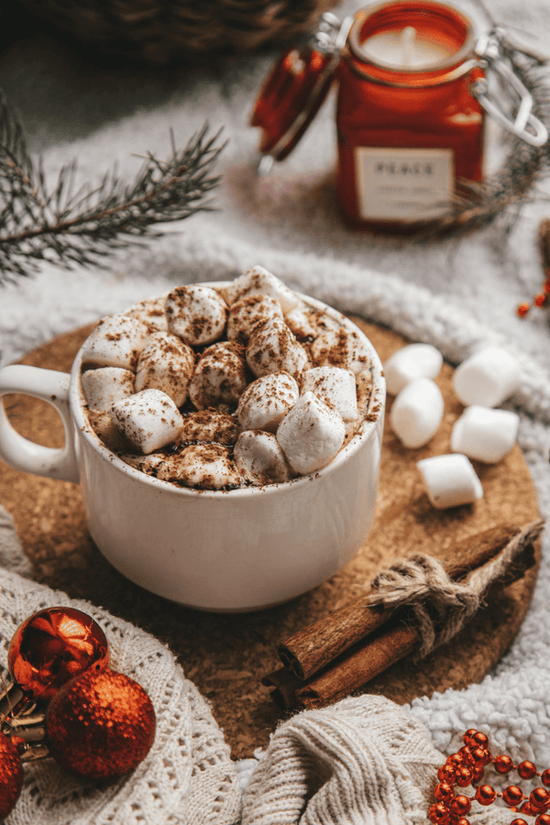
(439,606)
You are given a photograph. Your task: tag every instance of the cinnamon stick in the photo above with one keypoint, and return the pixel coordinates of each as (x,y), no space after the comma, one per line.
(369,657)
(314,647)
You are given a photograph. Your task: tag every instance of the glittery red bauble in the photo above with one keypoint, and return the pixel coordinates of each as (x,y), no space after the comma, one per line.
(100,725)
(11,776)
(52,646)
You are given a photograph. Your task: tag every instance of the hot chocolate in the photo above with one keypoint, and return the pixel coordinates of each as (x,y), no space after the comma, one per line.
(224,387)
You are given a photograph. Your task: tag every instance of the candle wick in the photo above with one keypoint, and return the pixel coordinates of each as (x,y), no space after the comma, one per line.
(407,42)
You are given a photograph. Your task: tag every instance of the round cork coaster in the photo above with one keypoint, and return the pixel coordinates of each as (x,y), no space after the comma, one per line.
(227,655)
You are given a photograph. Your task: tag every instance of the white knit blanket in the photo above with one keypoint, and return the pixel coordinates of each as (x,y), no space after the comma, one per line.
(455,295)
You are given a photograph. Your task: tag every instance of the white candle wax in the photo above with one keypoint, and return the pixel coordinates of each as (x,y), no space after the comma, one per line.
(405,48)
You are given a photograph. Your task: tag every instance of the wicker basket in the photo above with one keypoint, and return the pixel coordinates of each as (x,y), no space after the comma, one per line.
(167,31)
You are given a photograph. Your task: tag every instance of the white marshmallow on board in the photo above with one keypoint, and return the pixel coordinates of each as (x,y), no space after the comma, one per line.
(166,363)
(196,313)
(220,376)
(149,419)
(273,348)
(203,466)
(417,412)
(450,480)
(485,434)
(266,401)
(310,434)
(105,385)
(487,378)
(334,386)
(116,341)
(409,362)
(260,459)
(258,281)
(248,314)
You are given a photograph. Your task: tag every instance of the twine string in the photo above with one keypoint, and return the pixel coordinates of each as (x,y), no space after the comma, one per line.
(439,606)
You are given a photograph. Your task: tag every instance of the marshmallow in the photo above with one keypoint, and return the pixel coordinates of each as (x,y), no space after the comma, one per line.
(301,322)
(260,459)
(108,432)
(248,314)
(273,348)
(417,412)
(209,426)
(334,386)
(340,347)
(310,434)
(266,401)
(258,281)
(450,480)
(149,464)
(220,376)
(412,361)
(485,434)
(116,341)
(487,378)
(149,419)
(196,313)
(105,385)
(166,363)
(203,466)
(150,312)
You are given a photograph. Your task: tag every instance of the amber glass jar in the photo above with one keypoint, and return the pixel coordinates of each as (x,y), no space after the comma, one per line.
(407,134)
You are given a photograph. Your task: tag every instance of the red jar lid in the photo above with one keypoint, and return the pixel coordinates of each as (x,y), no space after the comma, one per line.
(291,97)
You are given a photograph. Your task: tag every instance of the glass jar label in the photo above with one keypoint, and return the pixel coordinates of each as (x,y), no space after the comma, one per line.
(403,184)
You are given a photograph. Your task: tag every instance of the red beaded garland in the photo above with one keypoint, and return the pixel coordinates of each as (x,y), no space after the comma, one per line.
(512,795)
(526,770)
(11,775)
(467,767)
(486,795)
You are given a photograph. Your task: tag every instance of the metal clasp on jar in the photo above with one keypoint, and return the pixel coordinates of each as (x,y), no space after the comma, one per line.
(491,53)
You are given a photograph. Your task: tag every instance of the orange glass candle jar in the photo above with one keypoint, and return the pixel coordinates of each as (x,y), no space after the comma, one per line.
(411,108)
(408,131)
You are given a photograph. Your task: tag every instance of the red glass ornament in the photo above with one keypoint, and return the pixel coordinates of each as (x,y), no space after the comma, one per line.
(545,777)
(439,814)
(540,299)
(443,792)
(464,777)
(518,821)
(527,809)
(455,759)
(462,821)
(486,795)
(460,806)
(526,769)
(502,763)
(512,795)
(542,819)
(11,776)
(51,647)
(523,309)
(100,725)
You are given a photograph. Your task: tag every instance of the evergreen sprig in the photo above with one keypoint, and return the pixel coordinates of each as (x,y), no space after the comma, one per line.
(68,223)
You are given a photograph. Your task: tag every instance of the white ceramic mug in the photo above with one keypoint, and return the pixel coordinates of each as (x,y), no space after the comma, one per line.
(236,550)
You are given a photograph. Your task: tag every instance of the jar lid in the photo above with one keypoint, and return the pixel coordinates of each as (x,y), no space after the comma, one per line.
(291,97)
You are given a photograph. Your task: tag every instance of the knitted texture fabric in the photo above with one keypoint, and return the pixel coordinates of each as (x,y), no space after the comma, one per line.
(365,761)
(187,777)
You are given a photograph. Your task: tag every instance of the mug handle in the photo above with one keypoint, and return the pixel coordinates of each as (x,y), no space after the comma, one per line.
(52,386)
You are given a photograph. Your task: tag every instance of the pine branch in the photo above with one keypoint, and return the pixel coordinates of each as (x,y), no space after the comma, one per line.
(68,224)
